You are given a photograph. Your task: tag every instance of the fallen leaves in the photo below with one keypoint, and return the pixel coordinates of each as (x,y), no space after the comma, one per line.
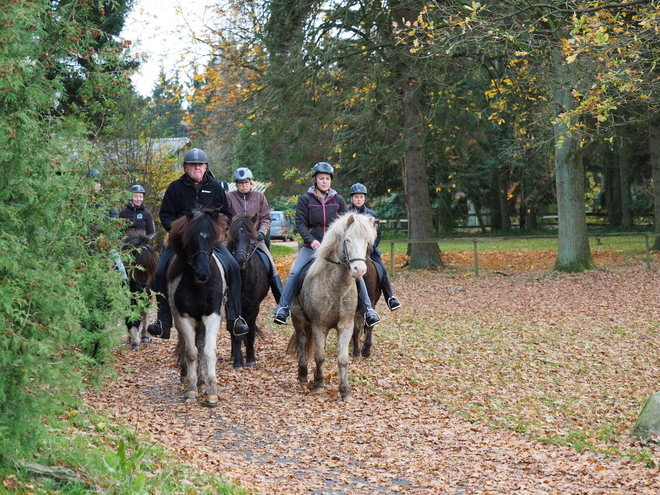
(464,365)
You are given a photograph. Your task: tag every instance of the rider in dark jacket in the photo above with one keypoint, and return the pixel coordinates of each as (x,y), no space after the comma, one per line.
(358,194)
(139,215)
(316,210)
(194,189)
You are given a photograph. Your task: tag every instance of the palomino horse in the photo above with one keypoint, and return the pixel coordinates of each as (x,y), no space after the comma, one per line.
(328,297)
(373,288)
(197,286)
(242,243)
(141,273)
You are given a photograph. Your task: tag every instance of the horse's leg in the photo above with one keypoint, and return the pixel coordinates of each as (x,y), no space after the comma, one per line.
(250,357)
(302,331)
(236,351)
(188,358)
(358,322)
(343,340)
(133,331)
(319,335)
(212,324)
(200,339)
(144,335)
(368,342)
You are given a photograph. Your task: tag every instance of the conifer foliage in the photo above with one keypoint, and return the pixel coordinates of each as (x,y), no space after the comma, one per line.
(61,297)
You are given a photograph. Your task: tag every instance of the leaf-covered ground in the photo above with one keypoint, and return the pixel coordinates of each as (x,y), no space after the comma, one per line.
(477,385)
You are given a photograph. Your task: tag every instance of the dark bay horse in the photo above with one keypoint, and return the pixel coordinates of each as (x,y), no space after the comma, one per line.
(373,288)
(328,297)
(141,271)
(197,287)
(242,244)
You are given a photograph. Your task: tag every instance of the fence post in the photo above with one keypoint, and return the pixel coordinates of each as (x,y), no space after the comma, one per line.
(391,257)
(648,252)
(476,258)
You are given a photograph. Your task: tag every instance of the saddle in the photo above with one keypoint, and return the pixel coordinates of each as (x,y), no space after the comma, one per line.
(301,277)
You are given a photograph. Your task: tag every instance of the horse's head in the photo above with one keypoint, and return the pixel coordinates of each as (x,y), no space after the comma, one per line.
(348,240)
(194,236)
(242,237)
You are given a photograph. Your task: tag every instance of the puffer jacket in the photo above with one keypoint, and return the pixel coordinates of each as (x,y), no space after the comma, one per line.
(313,216)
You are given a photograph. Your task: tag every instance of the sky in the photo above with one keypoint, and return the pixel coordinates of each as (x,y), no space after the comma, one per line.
(161,31)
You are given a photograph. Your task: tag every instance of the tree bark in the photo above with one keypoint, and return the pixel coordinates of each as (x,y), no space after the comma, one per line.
(415,177)
(624,159)
(654,145)
(574,254)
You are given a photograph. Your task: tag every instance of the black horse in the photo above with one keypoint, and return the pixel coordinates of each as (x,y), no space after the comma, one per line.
(141,273)
(197,287)
(242,243)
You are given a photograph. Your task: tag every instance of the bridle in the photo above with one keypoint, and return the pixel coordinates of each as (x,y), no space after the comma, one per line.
(248,255)
(346,260)
(191,258)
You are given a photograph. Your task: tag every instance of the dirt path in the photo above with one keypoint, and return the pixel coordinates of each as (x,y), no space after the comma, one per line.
(272,435)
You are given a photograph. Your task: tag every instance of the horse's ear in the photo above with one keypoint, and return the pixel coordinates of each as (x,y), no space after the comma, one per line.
(189,214)
(350,220)
(215,214)
(255,219)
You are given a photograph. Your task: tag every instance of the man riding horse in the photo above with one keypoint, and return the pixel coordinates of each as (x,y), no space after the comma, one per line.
(194,189)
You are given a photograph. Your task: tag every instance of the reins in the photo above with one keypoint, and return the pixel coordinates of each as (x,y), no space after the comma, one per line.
(248,255)
(346,261)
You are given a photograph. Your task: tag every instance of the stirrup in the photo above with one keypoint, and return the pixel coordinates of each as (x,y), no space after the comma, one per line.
(393,303)
(159,330)
(281,315)
(239,327)
(371,318)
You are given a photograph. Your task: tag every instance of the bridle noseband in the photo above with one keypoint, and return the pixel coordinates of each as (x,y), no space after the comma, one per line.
(346,260)
(191,258)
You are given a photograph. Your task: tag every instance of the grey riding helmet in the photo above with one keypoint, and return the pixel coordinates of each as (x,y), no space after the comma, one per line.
(358,188)
(137,188)
(242,173)
(323,168)
(94,174)
(195,155)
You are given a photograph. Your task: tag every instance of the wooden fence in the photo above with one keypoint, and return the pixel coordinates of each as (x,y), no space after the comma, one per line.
(475,244)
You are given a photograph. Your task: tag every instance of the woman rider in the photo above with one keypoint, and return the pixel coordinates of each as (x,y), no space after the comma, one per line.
(358,194)
(316,210)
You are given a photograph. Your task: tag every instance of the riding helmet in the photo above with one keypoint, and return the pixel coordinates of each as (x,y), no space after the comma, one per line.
(323,168)
(94,174)
(358,188)
(137,188)
(242,173)
(195,155)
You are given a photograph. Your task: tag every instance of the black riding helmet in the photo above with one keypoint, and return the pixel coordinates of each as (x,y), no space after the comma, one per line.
(137,188)
(358,188)
(195,155)
(323,168)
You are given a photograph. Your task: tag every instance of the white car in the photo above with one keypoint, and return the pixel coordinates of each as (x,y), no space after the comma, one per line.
(281,226)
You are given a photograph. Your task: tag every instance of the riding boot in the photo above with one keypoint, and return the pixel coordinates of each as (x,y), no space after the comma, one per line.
(163,326)
(371,318)
(392,302)
(282,310)
(236,324)
(276,287)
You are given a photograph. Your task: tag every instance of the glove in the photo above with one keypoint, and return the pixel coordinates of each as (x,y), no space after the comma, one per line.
(261,237)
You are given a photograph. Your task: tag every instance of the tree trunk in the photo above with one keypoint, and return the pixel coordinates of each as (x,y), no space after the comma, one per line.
(612,178)
(415,177)
(445,220)
(654,145)
(574,254)
(495,208)
(624,159)
(504,203)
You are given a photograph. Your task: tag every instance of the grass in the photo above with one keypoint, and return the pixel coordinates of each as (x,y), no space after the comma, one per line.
(277,250)
(108,458)
(626,244)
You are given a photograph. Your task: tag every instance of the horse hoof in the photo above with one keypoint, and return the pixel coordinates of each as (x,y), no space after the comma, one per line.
(251,364)
(347,397)
(144,340)
(238,367)
(366,353)
(135,347)
(191,394)
(211,400)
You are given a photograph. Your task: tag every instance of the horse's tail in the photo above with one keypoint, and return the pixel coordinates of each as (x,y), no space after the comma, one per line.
(292,347)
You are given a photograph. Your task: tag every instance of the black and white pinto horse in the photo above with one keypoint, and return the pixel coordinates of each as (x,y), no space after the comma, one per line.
(197,294)
(141,271)
(242,243)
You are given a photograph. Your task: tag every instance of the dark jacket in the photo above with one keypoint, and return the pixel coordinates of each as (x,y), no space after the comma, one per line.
(182,195)
(367,211)
(141,219)
(313,217)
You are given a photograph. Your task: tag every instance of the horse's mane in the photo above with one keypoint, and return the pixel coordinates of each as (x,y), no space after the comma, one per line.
(185,228)
(144,255)
(347,225)
(247,221)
